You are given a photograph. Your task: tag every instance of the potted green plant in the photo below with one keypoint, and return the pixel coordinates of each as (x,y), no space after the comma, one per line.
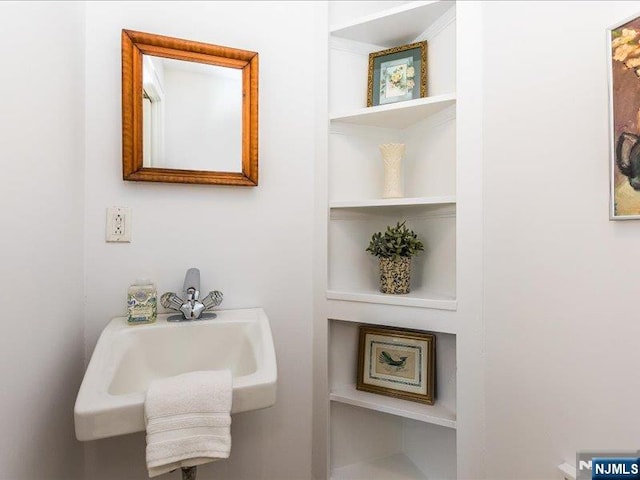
(395,247)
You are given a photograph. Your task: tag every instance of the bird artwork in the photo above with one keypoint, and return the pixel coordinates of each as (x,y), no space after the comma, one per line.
(387,359)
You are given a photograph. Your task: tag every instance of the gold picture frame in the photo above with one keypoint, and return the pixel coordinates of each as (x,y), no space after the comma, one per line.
(135,46)
(397,74)
(397,363)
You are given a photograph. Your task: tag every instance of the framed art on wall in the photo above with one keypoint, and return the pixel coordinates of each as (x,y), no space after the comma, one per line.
(623,45)
(397,362)
(397,74)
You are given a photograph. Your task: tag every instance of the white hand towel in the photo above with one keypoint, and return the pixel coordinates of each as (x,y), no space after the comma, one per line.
(188,420)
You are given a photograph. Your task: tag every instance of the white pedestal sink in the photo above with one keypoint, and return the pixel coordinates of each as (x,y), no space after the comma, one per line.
(127,358)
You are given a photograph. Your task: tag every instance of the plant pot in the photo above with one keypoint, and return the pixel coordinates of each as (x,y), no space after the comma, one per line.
(395,275)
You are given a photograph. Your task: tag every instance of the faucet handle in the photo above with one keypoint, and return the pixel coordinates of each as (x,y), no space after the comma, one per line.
(212,300)
(171,300)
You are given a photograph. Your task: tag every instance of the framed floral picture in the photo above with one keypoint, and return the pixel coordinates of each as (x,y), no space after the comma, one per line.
(397,362)
(397,74)
(623,45)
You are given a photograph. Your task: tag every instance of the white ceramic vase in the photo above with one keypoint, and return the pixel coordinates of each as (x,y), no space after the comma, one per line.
(392,154)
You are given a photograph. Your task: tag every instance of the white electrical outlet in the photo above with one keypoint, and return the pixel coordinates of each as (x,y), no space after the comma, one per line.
(118,224)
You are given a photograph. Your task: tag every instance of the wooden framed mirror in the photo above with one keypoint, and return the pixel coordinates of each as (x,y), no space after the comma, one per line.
(189,111)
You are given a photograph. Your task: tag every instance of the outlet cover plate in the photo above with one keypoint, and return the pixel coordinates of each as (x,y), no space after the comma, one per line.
(118,224)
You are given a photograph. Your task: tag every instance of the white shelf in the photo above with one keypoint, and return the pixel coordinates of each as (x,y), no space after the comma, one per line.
(431,300)
(393,467)
(397,115)
(434,414)
(437,325)
(394,26)
(393,202)
(568,471)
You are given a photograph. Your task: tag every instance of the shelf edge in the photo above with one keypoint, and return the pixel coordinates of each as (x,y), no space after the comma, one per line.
(338,397)
(372,17)
(428,326)
(337,473)
(395,202)
(409,104)
(438,304)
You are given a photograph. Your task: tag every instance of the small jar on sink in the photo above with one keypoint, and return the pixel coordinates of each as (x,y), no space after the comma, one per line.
(142,302)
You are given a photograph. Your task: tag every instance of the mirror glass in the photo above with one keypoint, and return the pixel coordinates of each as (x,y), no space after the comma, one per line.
(189,111)
(192,115)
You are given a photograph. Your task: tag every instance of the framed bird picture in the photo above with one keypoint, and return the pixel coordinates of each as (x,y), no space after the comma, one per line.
(398,363)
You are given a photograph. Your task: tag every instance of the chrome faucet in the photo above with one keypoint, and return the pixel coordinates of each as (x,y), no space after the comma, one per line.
(191,307)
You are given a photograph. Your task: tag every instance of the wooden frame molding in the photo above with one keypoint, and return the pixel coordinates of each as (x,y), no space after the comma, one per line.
(403,388)
(134,45)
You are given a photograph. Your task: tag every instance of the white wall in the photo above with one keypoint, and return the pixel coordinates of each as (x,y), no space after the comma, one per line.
(41,155)
(560,285)
(253,244)
(559,289)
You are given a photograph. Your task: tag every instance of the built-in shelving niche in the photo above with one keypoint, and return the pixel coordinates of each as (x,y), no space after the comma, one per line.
(355,163)
(368,445)
(429,207)
(353,273)
(374,436)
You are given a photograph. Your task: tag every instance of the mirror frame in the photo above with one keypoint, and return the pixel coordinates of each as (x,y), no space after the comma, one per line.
(134,45)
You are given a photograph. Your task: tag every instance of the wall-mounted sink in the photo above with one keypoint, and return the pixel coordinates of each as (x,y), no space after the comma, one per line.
(127,358)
